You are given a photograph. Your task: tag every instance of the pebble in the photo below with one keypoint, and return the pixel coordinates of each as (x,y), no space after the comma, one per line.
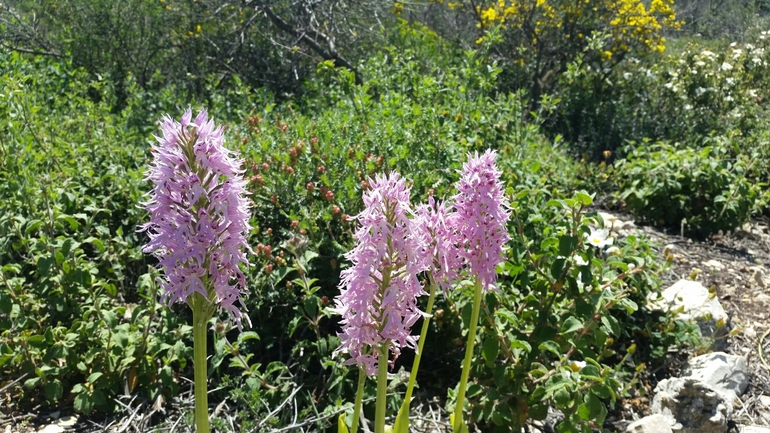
(67,421)
(716,264)
(765,399)
(52,428)
(762,298)
(750,333)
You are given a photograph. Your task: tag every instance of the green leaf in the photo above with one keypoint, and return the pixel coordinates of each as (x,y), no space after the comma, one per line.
(341,426)
(248,335)
(584,198)
(570,325)
(83,403)
(507,315)
(562,397)
(32,226)
(550,346)
(490,349)
(53,390)
(31,383)
(567,245)
(611,325)
(519,344)
(93,377)
(69,219)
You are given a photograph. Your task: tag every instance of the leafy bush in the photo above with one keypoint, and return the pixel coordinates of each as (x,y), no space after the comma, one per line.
(78,302)
(684,97)
(702,191)
(569,327)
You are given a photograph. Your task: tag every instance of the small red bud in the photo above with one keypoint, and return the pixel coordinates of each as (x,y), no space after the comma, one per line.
(329,195)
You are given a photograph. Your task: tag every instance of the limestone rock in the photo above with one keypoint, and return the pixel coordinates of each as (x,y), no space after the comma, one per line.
(753,429)
(698,305)
(725,373)
(650,424)
(691,406)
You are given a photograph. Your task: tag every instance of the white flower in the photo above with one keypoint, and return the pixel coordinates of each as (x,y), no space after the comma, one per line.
(687,107)
(579,261)
(726,66)
(600,238)
(730,81)
(752,93)
(708,53)
(613,251)
(737,53)
(729,98)
(576,365)
(631,267)
(734,44)
(627,75)
(700,63)
(699,91)
(579,281)
(749,46)
(756,60)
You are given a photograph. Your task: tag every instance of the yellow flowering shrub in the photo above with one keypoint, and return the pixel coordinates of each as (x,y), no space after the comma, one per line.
(630,23)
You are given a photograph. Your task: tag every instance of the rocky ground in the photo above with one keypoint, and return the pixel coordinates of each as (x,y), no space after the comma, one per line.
(737,265)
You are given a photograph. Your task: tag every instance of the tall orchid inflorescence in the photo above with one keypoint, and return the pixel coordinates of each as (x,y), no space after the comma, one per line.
(437,222)
(378,299)
(199,219)
(482,214)
(199,216)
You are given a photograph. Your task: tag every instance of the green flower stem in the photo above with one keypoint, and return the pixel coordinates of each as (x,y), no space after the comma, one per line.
(359,399)
(382,389)
(402,422)
(201,315)
(468,356)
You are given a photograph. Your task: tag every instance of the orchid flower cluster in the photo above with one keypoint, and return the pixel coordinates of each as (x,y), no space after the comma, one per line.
(378,299)
(199,216)
(199,219)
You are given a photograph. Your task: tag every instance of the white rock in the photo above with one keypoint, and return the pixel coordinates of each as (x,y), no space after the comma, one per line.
(725,373)
(67,421)
(52,428)
(698,305)
(714,264)
(765,399)
(753,429)
(691,406)
(762,298)
(650,424)
(750,332)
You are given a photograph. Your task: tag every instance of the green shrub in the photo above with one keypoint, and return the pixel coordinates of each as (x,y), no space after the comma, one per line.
(701,191)
(569,327)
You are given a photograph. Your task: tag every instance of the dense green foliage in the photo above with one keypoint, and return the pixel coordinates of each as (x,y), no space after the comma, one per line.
(80,321)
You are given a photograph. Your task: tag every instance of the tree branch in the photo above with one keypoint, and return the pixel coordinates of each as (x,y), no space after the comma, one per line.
(304,37)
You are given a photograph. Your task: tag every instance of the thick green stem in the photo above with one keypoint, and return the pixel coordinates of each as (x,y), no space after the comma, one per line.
(200,320)
(382,389)
(403,413)
(468,356)
(359,398)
